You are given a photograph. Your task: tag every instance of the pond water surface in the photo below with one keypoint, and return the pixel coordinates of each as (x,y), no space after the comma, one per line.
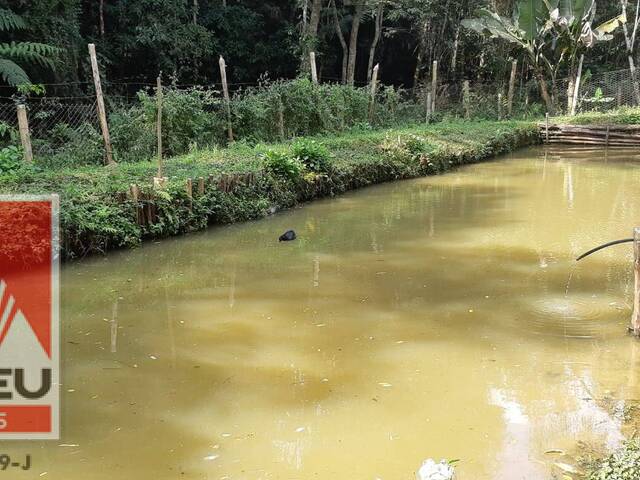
(440,317)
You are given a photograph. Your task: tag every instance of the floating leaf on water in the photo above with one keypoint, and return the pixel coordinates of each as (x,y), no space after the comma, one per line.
(565,467)
(430,470)
(555,451)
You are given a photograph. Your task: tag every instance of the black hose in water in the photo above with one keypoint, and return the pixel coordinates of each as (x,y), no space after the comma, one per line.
(604,245)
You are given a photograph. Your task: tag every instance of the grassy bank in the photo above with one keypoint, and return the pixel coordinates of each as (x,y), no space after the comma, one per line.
(97,214)
(620,116)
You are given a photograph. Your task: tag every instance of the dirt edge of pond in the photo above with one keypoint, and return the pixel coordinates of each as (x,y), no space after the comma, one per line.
(148,213)
(104,209)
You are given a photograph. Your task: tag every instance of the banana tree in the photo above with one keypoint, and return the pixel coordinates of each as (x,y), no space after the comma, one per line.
(527,31)
(630,39)
(573,33)
(549,32)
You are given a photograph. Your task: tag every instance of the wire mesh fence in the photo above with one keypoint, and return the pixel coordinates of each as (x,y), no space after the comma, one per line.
(599,92)
(70,126)
(53,121)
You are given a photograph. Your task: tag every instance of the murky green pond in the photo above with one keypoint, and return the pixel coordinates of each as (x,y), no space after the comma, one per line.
(442,317)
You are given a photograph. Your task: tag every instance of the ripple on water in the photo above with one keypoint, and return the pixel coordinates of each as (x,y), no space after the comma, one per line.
(574,316)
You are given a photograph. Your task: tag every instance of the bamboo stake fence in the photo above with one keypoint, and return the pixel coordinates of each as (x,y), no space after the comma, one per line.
(603,135)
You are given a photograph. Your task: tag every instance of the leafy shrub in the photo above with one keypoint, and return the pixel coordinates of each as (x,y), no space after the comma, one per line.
(622,465)
(68,146)
(10,158)
(282,164)
(133,136)
(189,116)
(196,117)
(313,155)
(8,134)
(410,149)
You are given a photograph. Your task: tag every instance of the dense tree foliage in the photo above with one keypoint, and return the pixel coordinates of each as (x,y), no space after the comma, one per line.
(183,38)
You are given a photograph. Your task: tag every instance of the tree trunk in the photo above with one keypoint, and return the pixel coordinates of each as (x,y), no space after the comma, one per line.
(314,19)
(512,86)
(542,83)
(420,57)
(102,18)
(571,84)
(353,43)
(454,53)
(480,65)
(310,32)
(343,42)
(570,90)
(195,12)
(576,86)
(376,39)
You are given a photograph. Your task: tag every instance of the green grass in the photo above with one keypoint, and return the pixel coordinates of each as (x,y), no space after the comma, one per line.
(620,116)
(97,215)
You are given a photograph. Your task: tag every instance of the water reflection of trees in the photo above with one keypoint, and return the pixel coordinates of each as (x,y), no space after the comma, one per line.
(448,265)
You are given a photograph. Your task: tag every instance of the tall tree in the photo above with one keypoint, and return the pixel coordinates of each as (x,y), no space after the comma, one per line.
(538,28)
(309,35)
(343,42)
(378,19)
(359,6)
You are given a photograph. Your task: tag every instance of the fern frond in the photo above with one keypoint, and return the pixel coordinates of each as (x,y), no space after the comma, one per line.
(12,73)
(10,21)
(29,51)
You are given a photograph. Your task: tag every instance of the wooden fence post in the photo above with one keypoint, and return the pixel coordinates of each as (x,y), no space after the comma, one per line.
(466,101)
(429,103)
(135,196)
(434,85)
(374,89)
(512,87)
(188,187)
(619,96)
(25,136)
(159,125)
(635,318)
(227,98)
(314,68)
(102,112)
(281,119)
(499,106)
(200,185)
(546,126)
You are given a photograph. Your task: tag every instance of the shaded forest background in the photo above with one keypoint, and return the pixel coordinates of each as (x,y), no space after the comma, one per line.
(270,39)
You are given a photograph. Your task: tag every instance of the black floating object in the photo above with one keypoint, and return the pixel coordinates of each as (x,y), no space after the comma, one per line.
(287,236)
(604,245)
